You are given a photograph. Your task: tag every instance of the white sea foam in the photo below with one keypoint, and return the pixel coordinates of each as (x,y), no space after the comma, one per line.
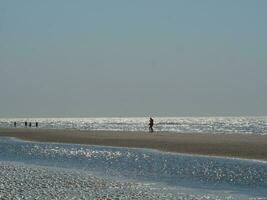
(20,181)
(230,125)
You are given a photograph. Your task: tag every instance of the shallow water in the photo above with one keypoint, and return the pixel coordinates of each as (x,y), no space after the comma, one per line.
(213,125)
(129,171)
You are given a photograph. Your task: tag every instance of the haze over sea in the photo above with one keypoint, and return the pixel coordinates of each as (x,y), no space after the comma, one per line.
(212,125)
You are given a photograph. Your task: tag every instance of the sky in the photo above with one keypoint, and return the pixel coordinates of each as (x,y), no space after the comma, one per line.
(120,58)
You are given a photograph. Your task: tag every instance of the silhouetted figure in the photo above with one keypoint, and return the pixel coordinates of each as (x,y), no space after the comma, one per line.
(15,124)
(25,123)
(30,124)
(151,123)
(36,124)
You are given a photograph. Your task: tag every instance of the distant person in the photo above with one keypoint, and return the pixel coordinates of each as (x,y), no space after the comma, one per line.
(151,123)
(36,124)
(30,124)
(15,124)
(25,123)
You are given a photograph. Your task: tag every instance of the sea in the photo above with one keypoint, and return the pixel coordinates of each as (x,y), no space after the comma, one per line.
(33,170)
(212,125)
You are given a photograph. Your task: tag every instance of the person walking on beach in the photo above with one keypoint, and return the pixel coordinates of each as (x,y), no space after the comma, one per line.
(15,124)
(36,124)
(151,123)
(30,124)
(25,123)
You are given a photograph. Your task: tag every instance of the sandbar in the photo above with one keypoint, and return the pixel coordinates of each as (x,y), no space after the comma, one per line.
(227,145)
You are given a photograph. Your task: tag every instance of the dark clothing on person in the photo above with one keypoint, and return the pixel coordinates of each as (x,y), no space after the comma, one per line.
(151,123)
(30,124)
(25,123)
(15,124)
(36,124)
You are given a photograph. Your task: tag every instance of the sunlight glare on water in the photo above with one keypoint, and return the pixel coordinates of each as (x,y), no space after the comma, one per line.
(230,125)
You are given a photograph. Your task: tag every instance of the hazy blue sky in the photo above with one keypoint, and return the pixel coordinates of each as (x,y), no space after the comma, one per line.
(133,58)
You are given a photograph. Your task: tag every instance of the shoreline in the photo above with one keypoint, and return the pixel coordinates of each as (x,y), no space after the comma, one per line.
(226,145)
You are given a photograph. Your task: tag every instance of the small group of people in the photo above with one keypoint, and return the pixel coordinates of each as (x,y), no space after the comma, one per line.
(26,124)
(30,124)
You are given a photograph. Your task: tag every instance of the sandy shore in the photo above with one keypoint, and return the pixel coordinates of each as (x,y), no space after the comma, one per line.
(236,145)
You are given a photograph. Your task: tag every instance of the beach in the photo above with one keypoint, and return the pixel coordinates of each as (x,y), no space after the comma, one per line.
(226,145)
(59,164)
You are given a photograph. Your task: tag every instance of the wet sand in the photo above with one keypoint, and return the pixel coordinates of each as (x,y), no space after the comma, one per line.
(231,145)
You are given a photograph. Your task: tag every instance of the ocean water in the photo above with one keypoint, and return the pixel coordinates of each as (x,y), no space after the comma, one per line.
(31,170)
(229,125)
